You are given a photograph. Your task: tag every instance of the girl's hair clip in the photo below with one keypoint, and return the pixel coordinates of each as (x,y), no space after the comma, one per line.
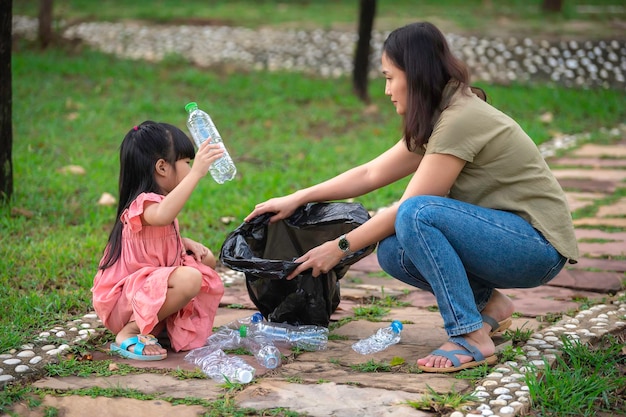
(135,128)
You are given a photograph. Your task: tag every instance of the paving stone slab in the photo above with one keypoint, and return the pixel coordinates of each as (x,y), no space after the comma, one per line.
(593,150)
(548,299)
(81,406)
(595,222)
(578,200)
(616,209)
(330,399)
(599,282)
(587,185)
(147,383)
(614,265)
(607,162)
(611,175)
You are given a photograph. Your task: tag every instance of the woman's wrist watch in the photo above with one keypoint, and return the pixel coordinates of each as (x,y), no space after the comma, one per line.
(344,245)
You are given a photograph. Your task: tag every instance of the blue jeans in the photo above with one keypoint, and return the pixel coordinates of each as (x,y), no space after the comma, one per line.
(461,252)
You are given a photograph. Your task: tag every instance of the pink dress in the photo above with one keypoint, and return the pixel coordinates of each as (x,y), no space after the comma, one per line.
(134,288)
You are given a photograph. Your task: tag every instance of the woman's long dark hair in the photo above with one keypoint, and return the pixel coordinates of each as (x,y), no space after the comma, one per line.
(422,52)
(141,148)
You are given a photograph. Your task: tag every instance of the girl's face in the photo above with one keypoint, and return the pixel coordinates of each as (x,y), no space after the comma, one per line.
(176,174)
(395,84)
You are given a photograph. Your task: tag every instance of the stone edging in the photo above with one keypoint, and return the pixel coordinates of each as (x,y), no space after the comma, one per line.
(502,393)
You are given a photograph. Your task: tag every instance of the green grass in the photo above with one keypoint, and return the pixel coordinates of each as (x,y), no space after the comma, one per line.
(285,131)
(585,381)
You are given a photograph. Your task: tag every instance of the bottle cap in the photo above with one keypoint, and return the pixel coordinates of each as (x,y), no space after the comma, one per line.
(191,106)
(244,376)
(256,317)
(396,326)
(243,331)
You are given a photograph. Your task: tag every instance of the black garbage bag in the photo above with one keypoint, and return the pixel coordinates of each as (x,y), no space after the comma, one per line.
(266,253)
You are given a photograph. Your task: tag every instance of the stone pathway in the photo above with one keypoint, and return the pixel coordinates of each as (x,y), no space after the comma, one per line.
(325,383)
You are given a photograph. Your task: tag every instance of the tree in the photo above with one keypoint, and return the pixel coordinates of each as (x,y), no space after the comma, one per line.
(45,23)
(554,6)
(367,11)
(6,129)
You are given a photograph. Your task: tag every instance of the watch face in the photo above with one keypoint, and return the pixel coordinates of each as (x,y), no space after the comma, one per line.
(344,244)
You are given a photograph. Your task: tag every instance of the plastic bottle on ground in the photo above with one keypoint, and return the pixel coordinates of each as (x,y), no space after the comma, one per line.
(264,351)
(244,321)
(227,336)
(224,338)
(220,367)
(381,340)
(202,128)
(307,337)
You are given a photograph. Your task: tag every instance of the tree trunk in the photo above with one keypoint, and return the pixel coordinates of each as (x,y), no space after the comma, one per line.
(362,55)
(45,23)
(553,6)
(6,130)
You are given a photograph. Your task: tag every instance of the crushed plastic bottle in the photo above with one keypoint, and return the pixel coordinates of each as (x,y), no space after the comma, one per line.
(264,351)
(307,337)
(236,324)
(220,367)
(224,338)
(379,341)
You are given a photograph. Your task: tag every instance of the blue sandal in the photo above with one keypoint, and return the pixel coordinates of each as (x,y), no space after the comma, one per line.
(140,342)
(468,350)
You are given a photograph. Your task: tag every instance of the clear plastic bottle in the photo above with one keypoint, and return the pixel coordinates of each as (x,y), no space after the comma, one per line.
(201,127)
(224,338)
(307,337)
(236,324)
(220,367)
(381,340)
(264,351)
(227,335)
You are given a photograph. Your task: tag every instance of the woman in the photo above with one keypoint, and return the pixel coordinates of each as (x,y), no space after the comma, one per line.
(481,211)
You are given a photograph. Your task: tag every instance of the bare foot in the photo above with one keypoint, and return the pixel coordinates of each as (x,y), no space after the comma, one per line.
(479,338)
(131,330)
(499,307)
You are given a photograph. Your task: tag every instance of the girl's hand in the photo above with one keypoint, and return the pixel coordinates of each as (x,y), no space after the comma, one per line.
(320,259)
(282,206)
(195,249)
(206,155)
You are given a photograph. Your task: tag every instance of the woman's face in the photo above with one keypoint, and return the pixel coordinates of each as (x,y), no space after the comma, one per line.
(395,84)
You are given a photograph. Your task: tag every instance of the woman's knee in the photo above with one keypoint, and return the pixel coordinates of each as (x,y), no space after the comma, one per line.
(385,251)
(415,209)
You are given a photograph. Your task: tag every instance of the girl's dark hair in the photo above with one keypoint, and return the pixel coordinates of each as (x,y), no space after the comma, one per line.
(422,52)
(141,148)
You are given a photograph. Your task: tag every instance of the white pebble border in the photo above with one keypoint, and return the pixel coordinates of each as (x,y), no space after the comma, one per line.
(47,347)
(503,393)
(29,360)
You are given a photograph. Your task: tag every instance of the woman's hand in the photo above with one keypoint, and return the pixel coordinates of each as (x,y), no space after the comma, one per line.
(320,259)
(282,206)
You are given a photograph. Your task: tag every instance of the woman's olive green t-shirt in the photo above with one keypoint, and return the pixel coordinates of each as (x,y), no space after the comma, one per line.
(504,169)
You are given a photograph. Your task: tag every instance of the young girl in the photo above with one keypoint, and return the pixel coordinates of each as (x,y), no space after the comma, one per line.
(150,278)
(481,211)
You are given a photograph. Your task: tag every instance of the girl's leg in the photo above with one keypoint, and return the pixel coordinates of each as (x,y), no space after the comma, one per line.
(183,284)
(464,252)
